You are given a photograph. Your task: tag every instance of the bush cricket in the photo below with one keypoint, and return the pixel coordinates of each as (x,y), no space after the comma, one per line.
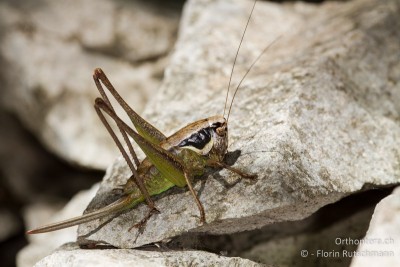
(170,161)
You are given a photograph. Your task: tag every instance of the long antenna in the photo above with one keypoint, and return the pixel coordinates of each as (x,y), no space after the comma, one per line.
(247,72)
(237,53)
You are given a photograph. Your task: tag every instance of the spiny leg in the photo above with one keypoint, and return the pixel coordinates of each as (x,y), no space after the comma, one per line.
(100,104)
(143,222)
(232,169)
(167,163)
(144,128)
(196,198)
(97,76)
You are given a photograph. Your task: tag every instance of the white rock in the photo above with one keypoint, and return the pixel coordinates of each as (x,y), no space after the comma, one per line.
(381,245)
(70,255)
(48,55)
(317,120)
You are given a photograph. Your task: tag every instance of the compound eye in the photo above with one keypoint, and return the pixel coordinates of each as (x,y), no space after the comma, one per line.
(221,131)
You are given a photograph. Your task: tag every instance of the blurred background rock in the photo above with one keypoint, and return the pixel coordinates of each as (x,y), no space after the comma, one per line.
(52,143)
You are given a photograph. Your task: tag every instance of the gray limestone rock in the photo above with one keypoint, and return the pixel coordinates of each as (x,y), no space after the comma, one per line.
(48,52)
(69,255)
(380,246)
(287,245)
(317,119)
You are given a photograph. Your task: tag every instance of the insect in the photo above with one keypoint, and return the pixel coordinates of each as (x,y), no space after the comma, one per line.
(170,161)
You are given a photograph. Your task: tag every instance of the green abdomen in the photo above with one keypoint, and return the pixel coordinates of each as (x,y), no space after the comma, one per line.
(155,182)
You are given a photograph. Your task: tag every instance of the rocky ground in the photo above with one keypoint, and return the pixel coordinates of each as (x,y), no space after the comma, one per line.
(317,119)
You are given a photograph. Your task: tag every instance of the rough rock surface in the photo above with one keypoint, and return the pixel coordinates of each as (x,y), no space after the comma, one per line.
(68,255)
(317,119)
(48,52)
(319,232)
(381,245)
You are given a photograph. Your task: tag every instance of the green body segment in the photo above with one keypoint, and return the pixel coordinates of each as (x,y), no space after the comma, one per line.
(168,162)
(148,132)
(154,180)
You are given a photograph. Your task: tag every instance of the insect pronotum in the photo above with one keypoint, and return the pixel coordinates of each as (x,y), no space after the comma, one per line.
(171,161)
